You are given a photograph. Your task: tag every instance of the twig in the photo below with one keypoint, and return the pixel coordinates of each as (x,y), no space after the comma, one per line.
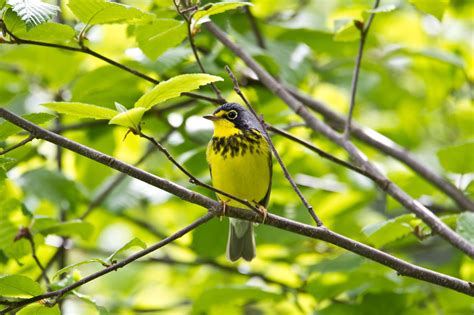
(364,30)
(192,178)
(402,267)
(272,147)
(25,233)
(187,15)
(384,183)
(88,51)
(22,143)
(387,146)
(59,293)
(255,29)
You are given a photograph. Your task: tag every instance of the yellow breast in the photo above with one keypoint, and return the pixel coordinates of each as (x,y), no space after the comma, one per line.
(240,165)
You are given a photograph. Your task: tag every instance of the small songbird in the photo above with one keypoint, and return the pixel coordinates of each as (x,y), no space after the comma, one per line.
(240,163)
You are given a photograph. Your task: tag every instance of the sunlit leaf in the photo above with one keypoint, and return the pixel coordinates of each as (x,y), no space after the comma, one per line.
(204,13)
(18,286)
(39,309)
(346,33)
(174,87)
(33,12)
(465,226)
(388,231)
(433,7)
(130,118)
(383,8)
(132,243)
(81,110)
(75,265)
(8,129)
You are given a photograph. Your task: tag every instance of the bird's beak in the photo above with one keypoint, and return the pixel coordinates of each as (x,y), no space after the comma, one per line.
(211,117)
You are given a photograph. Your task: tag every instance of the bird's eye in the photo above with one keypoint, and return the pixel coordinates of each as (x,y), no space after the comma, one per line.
(232,114)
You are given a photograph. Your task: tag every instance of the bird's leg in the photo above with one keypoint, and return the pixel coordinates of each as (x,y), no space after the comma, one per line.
(263,211)
(224,206)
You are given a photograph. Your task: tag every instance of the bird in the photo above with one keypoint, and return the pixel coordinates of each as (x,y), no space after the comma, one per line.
(240,164)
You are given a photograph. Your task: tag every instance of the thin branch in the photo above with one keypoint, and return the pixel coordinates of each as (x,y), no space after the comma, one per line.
(275,152)
(387,146)
(192,179)
(255,29)
(187,15)
(383,182)
(22,143)
(88,51)
(25,233)
(364,30)
(59,293)
(402,267)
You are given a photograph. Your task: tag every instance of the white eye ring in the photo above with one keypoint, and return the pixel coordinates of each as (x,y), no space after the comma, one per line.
(232,114)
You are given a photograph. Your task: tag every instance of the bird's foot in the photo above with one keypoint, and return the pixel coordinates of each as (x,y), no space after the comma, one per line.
(263,211)
(224,206)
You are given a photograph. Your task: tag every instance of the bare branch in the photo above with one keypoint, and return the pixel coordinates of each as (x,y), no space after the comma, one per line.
(255,29)
(364,30)
(275,152)
(16,146)
(384,183)
(402,267)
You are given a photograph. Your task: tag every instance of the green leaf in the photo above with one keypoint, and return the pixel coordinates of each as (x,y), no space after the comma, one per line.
(155,38)
(130,118)
(134,242)
(73,266)
(8,129)
(101,310)
(53,186)
(433,7)
(388,231)
(457,158)
(47,32)
(347,32)
(204,13)
(18,286)
(383,8)
(465,226)
(33,12)
(92,12)
(39,309)
(81,110)
(174,87)
(70,228)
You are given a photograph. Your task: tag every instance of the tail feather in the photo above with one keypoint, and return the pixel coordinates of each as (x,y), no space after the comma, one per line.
(241,242)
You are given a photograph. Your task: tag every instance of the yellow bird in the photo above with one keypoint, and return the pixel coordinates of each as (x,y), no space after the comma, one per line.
(240,163)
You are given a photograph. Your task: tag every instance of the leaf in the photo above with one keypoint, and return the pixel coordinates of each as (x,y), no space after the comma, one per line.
(204,13)
(174,87)
(433,7)
(53,186)
(130,118)
(383,8)
(8,129)
(465,226)
(81,110)
(347,32)
(134,242)
(388,231)
(92,12)
(154,39)
(33,12)
(457,158)
(73,266)
(102,310)
(18,286)
(39,309)
(47,32)
(70,228)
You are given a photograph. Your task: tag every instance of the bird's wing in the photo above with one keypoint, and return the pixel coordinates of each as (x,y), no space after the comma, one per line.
(264,201)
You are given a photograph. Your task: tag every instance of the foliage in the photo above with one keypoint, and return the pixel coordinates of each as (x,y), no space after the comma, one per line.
(415,88)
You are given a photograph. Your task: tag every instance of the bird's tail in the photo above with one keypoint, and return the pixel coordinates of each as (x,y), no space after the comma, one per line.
(241,242)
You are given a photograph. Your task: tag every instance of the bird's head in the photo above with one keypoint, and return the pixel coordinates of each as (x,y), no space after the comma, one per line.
(230,119)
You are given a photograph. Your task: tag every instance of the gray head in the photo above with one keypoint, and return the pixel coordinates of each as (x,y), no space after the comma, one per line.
(237,115)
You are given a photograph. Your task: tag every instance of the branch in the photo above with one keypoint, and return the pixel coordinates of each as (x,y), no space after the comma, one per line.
(255,29)
(88,51)
(187,15)
(402,267)
(25,233)
(384,183)
(387,146)
(59,293)
(22,143)
(364,30)
(274,150)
